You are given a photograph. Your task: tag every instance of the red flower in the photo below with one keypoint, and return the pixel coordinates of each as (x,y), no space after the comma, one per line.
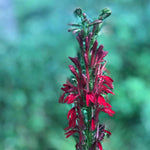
(100,146)
(93,124)
(62,98)
(71,132)
(86,59)
(87,43)
(77,63)
(109,111)
(101,101)
(71,113)
(68,87)
(105,89)
(70,98)
(80,41)
(93,53)
(90,97)
(100,54)
(73,71)
(108,132)
(72,120)
(107,78)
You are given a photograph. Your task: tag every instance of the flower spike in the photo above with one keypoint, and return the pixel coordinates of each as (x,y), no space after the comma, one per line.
(87,91)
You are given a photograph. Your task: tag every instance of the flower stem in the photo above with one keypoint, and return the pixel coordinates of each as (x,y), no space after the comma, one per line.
(89,140)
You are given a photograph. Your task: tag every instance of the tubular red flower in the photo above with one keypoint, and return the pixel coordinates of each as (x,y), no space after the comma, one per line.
(62,98)
(72,122)
(86,59)
(93,53)
(71,113)
(108,105)
(106,131)
(79,38)
(90,97)
(105,89)
(90,37)
(68,87)
(70,98)
(109,84)
(109,111)
(77,63)
(71,132)
(100,146)
(73,71)
(93,124)
(107,78)
(101,101)
(87,43)
(100,54)
(109,91)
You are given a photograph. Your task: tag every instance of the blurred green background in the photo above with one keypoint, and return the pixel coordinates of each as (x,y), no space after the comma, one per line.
(34,50)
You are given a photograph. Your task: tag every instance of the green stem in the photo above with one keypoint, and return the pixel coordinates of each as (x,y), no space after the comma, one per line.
(88,134)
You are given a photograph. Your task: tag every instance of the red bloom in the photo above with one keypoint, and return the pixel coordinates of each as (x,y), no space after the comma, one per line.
(71,113)
(109,111)
(105,89)
(68,87)
(87,43)
(62,98)
(93,53)
(73,71)
(80,41)
(77,63)
(72,121)
(86,59)
(71,132)
(70,98)
(90,97)
(93,124)
(100,54)
(101,101)
(100,146)
(108,132)
(107,78)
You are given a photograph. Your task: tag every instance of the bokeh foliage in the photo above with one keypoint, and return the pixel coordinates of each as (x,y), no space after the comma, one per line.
(34,50)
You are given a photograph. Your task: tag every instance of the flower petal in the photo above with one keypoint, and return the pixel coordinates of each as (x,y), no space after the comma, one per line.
(90,97)
(93,124)
(62,98)
(75,60)
(71,132)
(101,101)
(80,41)
(107,90)
(100,146)
(87,43)
(106,131)
(107,78)
(93,52)
(71,113)
(70,98)
(73,71)
(109,111)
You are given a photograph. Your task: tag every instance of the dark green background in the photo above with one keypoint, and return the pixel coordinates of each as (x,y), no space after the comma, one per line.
(34,50)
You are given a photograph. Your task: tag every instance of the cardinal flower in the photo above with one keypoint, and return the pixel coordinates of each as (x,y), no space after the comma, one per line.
(86,91)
